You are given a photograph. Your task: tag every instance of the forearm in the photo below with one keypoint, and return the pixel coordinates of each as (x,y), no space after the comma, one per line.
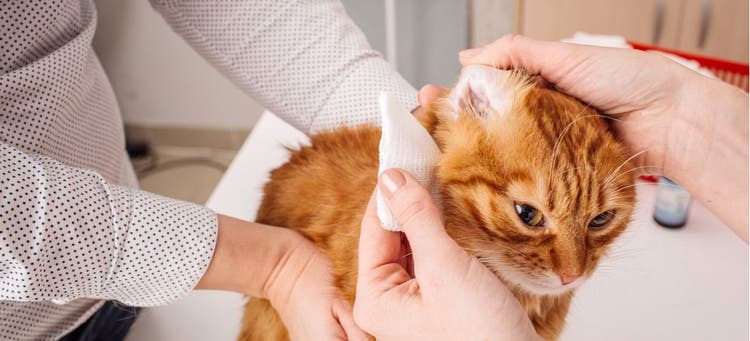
(94,238)
(708,149)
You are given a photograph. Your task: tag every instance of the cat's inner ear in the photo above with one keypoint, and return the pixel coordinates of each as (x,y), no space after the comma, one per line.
(485,91)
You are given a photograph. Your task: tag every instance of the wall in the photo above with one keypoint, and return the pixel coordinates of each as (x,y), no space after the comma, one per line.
(491,19)
(158,79)
(430,33)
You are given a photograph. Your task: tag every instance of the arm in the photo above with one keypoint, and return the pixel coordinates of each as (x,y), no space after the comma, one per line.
(304,60)
(291,272)
(683,125)
(67,233)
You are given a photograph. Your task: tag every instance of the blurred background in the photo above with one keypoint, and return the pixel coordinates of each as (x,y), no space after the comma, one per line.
(193,120)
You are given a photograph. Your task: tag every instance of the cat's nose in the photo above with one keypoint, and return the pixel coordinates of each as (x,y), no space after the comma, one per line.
(567,279)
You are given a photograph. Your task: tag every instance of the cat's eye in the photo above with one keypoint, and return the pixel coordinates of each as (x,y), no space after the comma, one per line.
(602,220)
(529,215)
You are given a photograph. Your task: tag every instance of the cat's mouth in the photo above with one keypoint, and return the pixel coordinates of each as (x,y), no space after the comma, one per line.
(542,284)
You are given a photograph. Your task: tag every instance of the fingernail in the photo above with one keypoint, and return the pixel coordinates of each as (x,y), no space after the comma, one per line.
(392,180)
(470,52)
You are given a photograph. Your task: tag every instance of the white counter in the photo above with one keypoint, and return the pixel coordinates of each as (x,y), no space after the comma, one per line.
(658,284)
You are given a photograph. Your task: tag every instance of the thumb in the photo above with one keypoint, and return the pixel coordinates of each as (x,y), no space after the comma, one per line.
(429,93)
(420,219)
(342,310)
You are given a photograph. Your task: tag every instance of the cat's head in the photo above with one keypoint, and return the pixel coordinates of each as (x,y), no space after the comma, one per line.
(534,183)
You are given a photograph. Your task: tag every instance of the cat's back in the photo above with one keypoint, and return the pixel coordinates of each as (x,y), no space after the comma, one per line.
(325,184)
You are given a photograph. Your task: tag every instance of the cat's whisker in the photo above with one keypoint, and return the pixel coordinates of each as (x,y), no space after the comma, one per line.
(634,169)
(606,181)
(407,255)
(491,247)
(619,190)
(617,253)
(609,117)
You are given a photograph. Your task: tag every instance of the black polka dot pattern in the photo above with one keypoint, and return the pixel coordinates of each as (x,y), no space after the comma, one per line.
(73,230)
(66,233)
(305,60)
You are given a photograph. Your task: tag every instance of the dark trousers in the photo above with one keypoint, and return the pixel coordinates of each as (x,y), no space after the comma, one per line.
(111,322)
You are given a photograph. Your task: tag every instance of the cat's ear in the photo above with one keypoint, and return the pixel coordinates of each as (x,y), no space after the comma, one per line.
(484,91)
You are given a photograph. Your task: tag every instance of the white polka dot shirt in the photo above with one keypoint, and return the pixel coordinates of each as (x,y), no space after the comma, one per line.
(74,229)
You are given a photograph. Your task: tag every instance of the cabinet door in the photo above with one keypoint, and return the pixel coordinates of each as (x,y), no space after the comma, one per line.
(645,21)
(716,28)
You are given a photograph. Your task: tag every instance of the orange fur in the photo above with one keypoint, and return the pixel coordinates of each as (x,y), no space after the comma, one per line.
(551,152)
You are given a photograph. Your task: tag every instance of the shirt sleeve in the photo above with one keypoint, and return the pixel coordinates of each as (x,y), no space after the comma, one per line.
(305,60)
(66,233)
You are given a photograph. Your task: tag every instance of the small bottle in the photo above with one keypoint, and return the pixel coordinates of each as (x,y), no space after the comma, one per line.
(672,204)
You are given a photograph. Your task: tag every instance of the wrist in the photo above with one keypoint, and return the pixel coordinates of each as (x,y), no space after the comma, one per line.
(708,150)
(709,126)
(705,117)
(245,256)
(279,287)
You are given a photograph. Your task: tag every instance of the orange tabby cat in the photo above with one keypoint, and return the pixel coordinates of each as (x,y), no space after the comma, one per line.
(533,184)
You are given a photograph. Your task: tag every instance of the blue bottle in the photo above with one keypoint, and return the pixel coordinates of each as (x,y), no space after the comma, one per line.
(672,204)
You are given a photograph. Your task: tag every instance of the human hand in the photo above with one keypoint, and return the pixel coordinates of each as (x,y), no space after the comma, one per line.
(303,293)
(451,295)
(282,266)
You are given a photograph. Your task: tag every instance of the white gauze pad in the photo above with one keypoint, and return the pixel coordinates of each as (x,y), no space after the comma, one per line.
(404,144)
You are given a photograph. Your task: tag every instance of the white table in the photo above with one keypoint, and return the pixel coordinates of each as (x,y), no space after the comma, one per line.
(659,284)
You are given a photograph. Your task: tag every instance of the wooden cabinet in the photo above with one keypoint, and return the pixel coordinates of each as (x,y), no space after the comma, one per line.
(712,27)
(716,28)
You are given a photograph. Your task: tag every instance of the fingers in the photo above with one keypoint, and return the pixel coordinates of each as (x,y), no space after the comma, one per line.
(342,310)
(513,51)
(504,53)
(428,94)
(420,220)
(382,282)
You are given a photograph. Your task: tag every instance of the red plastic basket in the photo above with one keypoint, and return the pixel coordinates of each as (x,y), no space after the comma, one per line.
(731,72)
